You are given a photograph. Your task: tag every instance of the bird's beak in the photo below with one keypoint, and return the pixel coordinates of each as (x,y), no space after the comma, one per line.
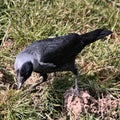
(19,85)
(20,82)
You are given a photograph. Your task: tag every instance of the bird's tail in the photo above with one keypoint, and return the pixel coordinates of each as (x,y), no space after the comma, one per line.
(95,35)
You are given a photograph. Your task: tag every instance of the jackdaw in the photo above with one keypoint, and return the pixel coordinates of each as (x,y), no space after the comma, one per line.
(54,54)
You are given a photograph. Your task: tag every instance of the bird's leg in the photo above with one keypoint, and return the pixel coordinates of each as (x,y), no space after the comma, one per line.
(76,82)
(45,76)
(76,89)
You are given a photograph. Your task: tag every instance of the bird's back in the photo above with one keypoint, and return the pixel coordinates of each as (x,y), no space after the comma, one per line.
(54,50)
(62,50)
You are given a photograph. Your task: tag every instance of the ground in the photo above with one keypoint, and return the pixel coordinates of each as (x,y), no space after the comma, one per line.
(22,22)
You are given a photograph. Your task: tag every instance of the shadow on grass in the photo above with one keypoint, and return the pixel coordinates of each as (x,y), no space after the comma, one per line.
(60,85)
(93,83)
(53,104)
(96,83)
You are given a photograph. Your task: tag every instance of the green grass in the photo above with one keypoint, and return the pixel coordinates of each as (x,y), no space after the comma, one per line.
(26,21)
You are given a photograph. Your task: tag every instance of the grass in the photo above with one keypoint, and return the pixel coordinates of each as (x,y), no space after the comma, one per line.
(25,21)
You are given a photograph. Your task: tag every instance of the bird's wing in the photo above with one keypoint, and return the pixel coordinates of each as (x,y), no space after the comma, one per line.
(58,50)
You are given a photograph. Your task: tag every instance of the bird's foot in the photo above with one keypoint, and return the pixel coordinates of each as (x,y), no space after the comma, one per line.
(33,88)
(75,92)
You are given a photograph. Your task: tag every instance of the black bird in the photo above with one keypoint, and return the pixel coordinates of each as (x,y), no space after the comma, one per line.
(54,54)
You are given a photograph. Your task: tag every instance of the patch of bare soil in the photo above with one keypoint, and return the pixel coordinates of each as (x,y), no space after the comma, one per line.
(7,43)
(83,103)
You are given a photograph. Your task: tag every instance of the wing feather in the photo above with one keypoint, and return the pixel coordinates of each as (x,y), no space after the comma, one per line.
(61,49)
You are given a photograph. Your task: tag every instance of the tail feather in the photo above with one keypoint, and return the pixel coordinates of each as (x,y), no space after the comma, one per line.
(95,35)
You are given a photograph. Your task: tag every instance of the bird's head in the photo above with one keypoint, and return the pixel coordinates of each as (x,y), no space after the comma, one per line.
(23,72)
